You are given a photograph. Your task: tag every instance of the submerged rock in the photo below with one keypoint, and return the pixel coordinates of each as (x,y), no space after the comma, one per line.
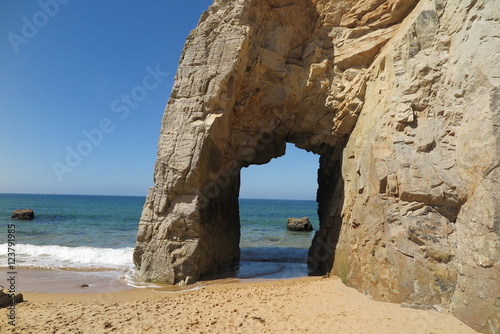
(299,224)
(23,214)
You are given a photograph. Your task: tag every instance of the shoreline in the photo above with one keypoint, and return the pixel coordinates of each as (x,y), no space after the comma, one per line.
(104,280)
(305,305)
(45,280)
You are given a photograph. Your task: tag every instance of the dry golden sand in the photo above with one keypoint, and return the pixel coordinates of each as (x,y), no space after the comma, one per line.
(305,305)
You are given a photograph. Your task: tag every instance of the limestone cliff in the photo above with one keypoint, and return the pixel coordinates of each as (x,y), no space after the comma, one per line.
(400,98)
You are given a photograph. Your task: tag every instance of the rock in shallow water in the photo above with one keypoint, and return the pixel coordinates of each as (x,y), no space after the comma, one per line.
(23,214)
(299,224)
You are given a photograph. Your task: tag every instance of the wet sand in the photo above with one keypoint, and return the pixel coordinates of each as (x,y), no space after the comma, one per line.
(67,281)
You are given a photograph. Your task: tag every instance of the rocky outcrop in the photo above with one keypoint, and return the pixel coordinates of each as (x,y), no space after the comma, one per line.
(7,299)
(23,214)
(400,98)
(299,224)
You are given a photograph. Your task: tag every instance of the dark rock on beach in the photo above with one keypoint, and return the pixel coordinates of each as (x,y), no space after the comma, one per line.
(5,298)
(299,224)
(24,214)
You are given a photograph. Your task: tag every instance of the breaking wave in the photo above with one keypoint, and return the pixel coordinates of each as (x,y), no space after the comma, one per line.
(54,256)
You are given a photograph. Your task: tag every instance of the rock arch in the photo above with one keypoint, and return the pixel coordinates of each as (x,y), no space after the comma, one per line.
(408,186)
(250,80)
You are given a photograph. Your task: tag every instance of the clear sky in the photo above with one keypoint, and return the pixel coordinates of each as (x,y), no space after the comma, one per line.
(66,69)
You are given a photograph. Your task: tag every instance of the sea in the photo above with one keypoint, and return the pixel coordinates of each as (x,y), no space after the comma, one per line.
(98,233)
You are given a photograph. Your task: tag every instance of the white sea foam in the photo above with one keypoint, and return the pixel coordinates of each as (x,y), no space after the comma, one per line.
(256,262)
(54,256)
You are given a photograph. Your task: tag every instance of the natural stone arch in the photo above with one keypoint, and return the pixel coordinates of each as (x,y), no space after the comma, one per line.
(236,102)
(254,75)
(391,94)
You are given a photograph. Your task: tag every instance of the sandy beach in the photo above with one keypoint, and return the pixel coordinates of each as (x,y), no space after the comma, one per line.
(300,305)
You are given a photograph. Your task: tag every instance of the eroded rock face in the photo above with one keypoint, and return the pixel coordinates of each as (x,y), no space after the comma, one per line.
(419,220)
(401,101)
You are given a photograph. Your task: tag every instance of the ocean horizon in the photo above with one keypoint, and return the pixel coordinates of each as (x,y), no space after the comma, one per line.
(98,233)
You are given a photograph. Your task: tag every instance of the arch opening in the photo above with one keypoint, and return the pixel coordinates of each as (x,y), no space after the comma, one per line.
(269,194)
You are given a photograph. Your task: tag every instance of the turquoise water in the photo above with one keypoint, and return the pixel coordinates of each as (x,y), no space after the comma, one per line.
(73,231)
(74,220)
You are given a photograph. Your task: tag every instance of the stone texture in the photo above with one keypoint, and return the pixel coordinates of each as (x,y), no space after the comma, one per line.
(23,214)
(299,224)
(401,101)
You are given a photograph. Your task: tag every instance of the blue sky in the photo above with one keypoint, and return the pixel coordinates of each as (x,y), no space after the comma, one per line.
(100,72)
